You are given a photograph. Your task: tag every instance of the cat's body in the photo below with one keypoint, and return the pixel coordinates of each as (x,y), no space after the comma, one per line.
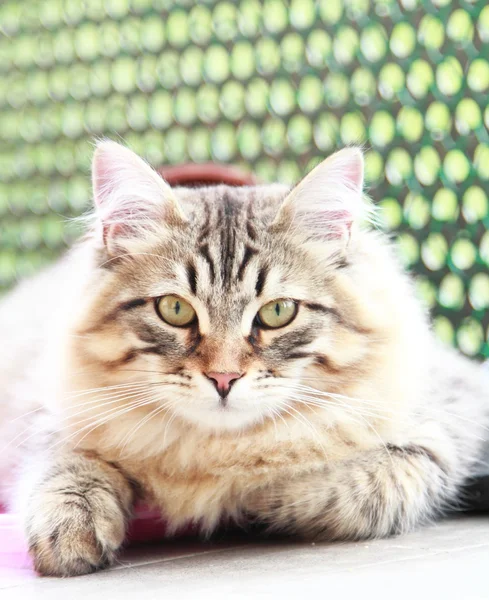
(347,421)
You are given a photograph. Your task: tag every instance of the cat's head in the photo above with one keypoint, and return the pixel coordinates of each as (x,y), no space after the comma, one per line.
(221,305)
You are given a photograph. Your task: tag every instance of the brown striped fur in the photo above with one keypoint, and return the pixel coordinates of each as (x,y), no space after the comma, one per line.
(337,429)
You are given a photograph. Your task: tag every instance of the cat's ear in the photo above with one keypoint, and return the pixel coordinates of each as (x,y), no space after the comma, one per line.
(326,203)
(129,195)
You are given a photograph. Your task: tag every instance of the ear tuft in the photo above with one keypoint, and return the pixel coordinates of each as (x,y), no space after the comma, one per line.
(347,165)
(128,193)
(326,203)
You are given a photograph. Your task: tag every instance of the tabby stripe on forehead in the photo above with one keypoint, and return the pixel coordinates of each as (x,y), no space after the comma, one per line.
(260,282)
(204,232)
(227,219)
(204,252)
(251,231)
(250,228)
(248,255)
(192,277)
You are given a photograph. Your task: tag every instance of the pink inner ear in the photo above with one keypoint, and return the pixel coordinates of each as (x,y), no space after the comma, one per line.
(112,164)
(115,230)
(329,224)
(354,173)
(102,175)
(99,176)
(337,224)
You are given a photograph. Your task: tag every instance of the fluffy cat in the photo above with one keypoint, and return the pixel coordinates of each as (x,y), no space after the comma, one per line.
(226,353)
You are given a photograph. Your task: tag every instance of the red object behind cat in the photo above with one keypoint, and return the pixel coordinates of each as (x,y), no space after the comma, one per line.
(205,174)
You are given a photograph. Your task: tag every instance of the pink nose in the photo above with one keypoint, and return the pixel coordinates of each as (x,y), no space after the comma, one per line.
(223,381)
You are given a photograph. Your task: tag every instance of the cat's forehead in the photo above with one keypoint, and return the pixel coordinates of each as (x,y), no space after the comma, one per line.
(226,255)
(227,206)
(223,254)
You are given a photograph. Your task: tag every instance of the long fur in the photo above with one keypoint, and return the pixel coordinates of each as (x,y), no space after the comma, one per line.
(350,422)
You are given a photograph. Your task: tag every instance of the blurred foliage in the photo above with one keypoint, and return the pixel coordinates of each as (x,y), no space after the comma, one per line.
(272,86)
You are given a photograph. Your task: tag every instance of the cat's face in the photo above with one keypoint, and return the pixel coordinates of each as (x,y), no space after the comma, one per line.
(220,298)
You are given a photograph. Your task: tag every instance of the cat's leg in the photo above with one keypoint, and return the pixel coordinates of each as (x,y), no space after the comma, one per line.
(382,492)
(75,511)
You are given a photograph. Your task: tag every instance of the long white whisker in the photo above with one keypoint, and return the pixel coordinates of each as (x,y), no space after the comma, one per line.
(98,404)
(369,425)
(302,419)
(334,395)
(129,254)
(114,413)
(61,428)
(313,400)
(117,398)
(130,401)
(96,400)
(141,423)
(167,426)
(108,388)
(438,411)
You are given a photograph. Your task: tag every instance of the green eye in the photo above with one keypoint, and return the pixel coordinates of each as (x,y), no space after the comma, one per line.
(175,311)
(277,314)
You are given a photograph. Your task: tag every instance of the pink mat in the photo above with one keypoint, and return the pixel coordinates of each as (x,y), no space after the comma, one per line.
(146,526)
(13,550)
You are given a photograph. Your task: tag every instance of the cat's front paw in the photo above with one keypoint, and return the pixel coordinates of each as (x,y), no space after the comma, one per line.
(76,516)
(75,534)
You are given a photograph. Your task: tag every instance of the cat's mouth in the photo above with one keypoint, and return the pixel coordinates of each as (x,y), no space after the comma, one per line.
(231,413)
(223,403)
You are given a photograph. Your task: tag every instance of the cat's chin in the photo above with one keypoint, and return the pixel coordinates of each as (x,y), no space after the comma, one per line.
(222,419)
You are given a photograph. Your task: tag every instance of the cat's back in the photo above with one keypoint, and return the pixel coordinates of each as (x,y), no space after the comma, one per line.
(31,323)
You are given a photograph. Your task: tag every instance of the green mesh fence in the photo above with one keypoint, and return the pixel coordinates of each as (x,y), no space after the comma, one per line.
(271,86)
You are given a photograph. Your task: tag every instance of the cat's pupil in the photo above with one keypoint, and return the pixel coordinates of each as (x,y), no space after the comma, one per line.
(277,309)
(177,307)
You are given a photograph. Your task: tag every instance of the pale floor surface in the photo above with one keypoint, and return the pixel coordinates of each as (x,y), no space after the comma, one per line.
(449,560)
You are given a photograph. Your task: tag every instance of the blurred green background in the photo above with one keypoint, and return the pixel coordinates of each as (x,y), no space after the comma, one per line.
(272,86)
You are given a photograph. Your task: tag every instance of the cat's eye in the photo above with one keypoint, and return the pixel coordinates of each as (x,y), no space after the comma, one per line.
(175,311)
(278,313)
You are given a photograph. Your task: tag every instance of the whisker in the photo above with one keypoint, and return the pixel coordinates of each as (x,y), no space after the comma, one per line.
(115,413)
(427,409)
(300,418)
(85,402)
(61,429)
(167,426)
(131,402)
(334,406)
(119,386)
(368,424)
(333,394)
(118,399)
(338,405)
(129,254)
(142,422)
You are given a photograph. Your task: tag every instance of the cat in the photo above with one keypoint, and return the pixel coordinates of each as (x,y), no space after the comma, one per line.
(249,354)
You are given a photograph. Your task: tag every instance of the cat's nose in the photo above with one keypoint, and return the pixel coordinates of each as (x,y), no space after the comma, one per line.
(223,381)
